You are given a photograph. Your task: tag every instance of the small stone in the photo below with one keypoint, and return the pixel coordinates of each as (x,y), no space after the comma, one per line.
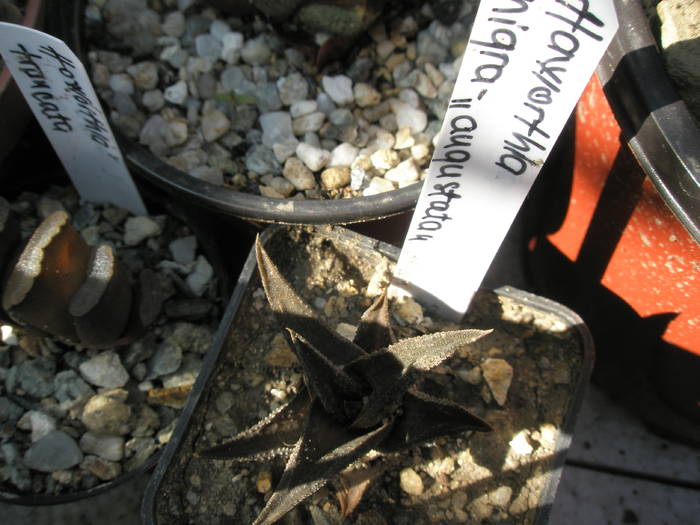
(292,88)
(215,124)
(404,138)
(263,482)
(101,468)
(166,360)
(377,185)
(107,413)
(38,423)
(225,401)
(186,374)
(55,451)
(406,116)
(411,482)
(277,128)
(520,444)
(70,388)
(410,311)
(420,153)
(339,88)
(346,330)
(105,370)
(174,24)
(343,155)
(175,132)
(404,174)
(110,448)
(174,397)
(334,178)
(208,46)
(183,249)
(177,93)
(210,174)
(471,376)
(256,51)
(139,449)
(280,354)
(138,229)
(306,123)
(314,158)
(231,46)
(261,159)
(282,186)
(365,95)
(303,107)
(385,159)
(174,55)
(34,376)
(8,335)
(270,192)
(121,83)
(153,100)
(144,75)
(498,375)
(200,277)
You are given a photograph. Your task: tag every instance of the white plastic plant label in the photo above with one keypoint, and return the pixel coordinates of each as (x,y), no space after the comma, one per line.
(524,68)
(59,92)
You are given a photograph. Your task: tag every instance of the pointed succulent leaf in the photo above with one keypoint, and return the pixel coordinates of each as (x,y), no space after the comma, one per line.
(327,381)
(325,449)
(427,351)
(374,331)
(292,312)
(274,435)
(425,418)
(390,372)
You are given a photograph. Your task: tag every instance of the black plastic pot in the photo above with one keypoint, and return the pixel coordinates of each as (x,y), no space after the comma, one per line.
(67,23)
(171,461)
(654,119)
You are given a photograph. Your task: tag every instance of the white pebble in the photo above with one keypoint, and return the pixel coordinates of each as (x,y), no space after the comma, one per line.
(339,88)
(137,229)
(314,158)
(377,185)
(177,93)
(200,277)
(343,155)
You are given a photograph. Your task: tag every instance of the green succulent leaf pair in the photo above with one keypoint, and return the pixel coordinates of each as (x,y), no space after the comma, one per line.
(358,396)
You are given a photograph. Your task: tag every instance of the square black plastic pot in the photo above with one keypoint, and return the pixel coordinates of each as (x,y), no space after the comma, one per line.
(216,372)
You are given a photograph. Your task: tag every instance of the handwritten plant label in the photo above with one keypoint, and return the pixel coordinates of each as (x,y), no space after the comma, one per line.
(524,68)
(59,92)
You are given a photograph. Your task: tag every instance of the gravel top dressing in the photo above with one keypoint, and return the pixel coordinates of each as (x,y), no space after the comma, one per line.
(237,102)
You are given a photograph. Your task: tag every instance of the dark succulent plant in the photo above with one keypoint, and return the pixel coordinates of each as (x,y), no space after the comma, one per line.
(56,284)
(358,396)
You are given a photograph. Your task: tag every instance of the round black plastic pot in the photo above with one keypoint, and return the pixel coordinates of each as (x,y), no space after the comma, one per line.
(67,23)
(172,466)
(655,121)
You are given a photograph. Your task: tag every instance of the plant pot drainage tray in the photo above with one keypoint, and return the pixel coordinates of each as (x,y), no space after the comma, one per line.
(508,475)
